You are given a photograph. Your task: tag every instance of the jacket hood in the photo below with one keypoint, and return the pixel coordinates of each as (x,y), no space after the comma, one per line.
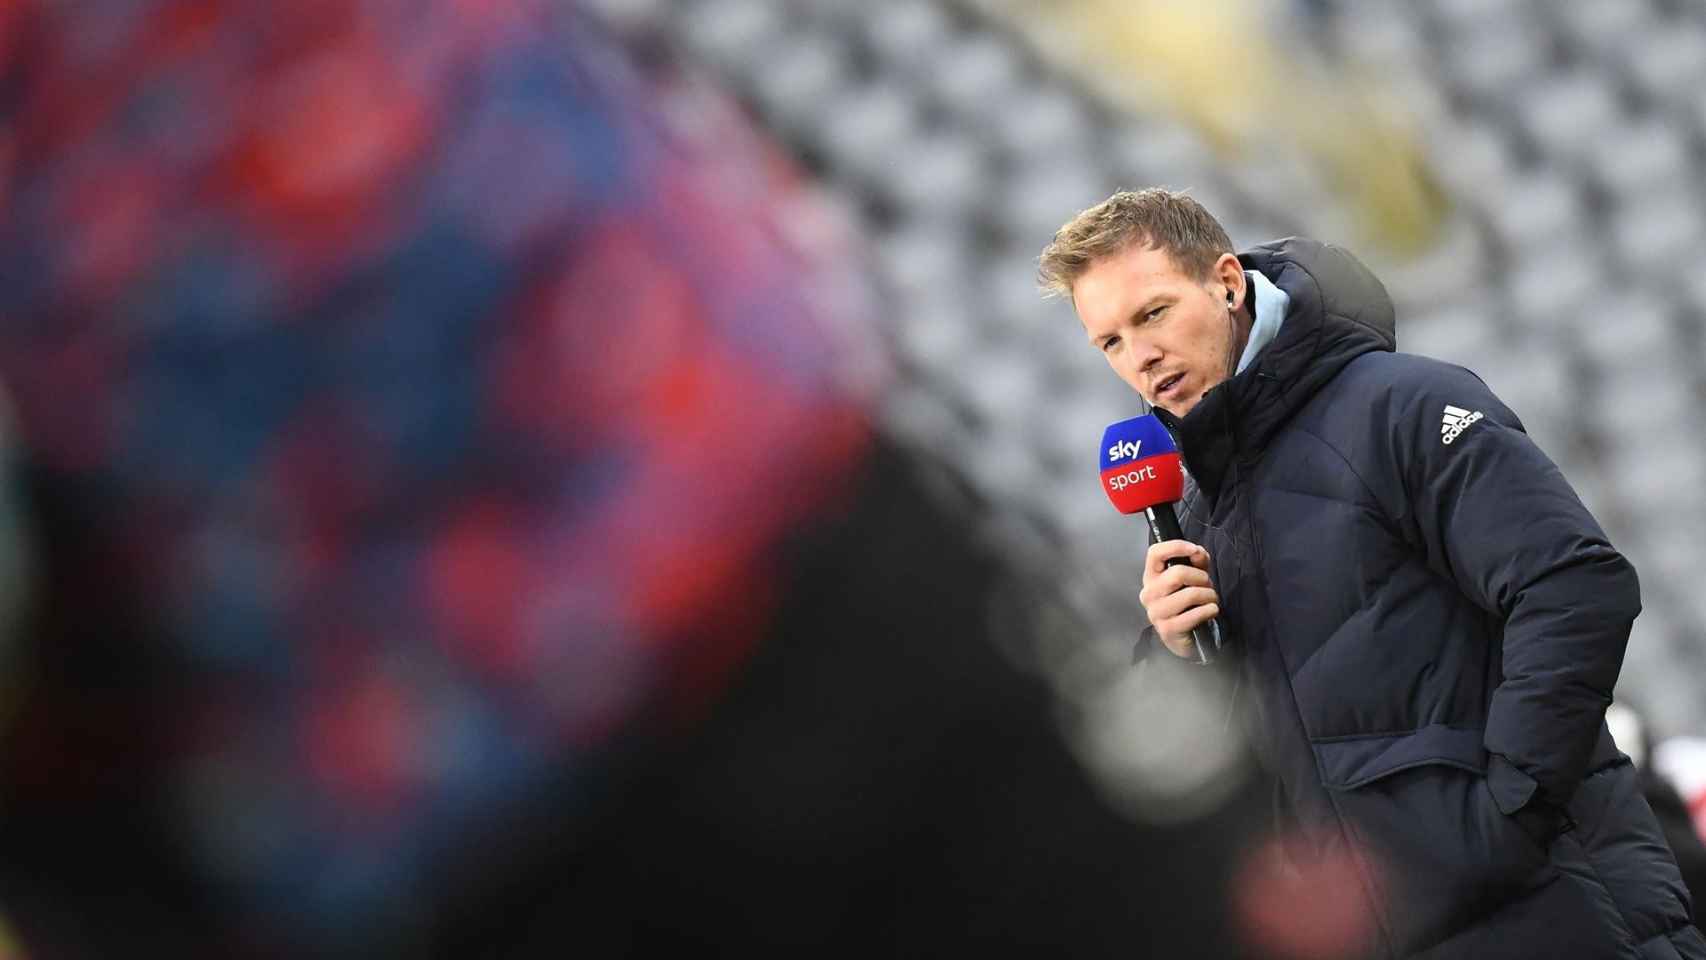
(1339,311)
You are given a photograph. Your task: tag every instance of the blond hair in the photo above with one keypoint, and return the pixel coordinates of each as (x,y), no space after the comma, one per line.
(1156,218)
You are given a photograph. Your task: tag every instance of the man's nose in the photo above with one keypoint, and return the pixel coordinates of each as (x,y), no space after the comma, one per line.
(1143,357)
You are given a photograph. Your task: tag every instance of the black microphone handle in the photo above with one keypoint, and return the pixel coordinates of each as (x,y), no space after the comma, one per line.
(1164,525)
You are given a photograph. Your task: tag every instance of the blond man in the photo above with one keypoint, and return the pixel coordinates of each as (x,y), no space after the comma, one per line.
(1430,621)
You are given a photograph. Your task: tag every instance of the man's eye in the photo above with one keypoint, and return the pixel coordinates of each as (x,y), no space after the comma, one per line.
(1110,343)
(1154,315)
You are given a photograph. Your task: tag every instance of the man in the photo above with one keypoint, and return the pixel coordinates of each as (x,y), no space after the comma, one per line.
(1429,620)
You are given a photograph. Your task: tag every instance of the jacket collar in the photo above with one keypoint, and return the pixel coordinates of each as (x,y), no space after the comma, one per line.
(1339,311)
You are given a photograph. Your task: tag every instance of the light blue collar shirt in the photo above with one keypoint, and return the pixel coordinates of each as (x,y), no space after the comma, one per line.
(1271,304)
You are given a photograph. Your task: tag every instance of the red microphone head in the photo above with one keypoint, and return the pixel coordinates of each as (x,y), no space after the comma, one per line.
(1140,465)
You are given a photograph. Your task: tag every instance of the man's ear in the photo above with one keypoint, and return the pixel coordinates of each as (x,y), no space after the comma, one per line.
(1229,273)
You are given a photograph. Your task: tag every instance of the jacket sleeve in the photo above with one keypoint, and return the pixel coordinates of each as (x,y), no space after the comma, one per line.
(1495,515)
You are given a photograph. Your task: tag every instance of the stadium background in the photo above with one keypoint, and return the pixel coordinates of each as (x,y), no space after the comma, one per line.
(1525,176)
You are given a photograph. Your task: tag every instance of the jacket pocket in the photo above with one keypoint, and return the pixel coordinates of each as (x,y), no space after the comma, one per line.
(1441,854)
(1351,762)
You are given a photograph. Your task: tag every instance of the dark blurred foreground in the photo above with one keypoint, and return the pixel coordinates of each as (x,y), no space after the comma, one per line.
(456,526)
(878,781)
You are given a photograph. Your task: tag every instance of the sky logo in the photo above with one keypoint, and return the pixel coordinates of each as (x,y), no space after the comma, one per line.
(1122,451)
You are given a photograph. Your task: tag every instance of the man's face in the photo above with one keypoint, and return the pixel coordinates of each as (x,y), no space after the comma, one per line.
(1167,334)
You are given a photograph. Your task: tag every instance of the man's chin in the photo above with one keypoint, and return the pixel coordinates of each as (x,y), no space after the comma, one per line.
(1175,404)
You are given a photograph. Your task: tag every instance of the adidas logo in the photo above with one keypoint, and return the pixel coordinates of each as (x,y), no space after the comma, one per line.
(1456,421)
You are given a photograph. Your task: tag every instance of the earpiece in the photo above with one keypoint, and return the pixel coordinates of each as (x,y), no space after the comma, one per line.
(1229,298)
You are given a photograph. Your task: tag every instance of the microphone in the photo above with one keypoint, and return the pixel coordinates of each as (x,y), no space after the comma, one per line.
(1141,472)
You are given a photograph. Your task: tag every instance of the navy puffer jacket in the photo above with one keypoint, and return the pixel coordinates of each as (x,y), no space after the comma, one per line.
(1430,624)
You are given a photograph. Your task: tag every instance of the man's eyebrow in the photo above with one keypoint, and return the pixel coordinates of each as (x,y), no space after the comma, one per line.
(1143,309)
(1146,306)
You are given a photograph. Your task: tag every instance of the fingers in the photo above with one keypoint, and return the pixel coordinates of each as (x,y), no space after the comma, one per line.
(1168,608)
(1184,623)
(1169,581)
(1175,633)
(1156,560)
(1173,579)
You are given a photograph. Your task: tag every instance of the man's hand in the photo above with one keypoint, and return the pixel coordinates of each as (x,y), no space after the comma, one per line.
(1179,598)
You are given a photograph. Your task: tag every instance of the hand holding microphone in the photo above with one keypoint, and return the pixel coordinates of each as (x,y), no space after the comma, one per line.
(1178,598)
(1141,472)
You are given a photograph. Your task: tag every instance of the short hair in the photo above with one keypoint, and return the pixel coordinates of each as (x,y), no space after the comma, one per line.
(1156,217)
